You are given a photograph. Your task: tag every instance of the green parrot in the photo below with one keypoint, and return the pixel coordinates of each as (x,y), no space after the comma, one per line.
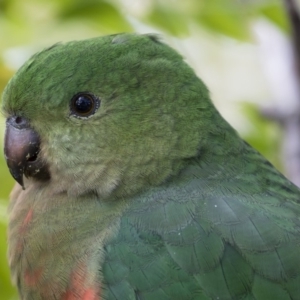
(132,186)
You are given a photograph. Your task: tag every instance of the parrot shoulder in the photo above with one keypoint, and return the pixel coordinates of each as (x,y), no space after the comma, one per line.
(223,235)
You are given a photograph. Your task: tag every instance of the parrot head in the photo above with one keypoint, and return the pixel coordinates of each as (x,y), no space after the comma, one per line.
(107,115)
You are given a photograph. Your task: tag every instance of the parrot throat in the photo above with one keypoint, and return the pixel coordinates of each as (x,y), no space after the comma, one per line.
(54,252)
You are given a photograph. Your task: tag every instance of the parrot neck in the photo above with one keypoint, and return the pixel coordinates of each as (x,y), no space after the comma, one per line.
(55,253)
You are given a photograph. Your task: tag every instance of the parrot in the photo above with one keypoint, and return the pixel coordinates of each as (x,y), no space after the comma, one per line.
(130,185)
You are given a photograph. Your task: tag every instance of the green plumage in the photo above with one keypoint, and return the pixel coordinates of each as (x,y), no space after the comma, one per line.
(153,195)
(218,236)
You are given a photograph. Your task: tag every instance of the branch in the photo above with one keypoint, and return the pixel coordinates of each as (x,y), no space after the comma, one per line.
(294,18)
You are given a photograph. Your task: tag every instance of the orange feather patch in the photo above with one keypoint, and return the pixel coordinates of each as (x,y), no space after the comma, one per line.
(78,289)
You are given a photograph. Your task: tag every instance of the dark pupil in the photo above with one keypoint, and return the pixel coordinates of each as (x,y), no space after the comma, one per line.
(83,104)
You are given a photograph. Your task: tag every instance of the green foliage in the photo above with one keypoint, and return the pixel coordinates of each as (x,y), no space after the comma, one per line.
(169,18)
(227,19)
(6,182)
(93,11)
(6,290)
(276,14)
(263,135)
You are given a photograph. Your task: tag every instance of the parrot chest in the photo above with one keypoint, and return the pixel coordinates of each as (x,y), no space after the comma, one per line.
(56,253)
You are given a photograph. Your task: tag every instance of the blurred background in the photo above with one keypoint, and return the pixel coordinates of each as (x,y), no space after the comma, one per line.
(247,52)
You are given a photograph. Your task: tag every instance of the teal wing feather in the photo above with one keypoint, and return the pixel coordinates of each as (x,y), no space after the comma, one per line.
(221,230)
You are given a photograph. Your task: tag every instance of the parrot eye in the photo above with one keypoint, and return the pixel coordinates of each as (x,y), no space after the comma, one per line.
(84,105)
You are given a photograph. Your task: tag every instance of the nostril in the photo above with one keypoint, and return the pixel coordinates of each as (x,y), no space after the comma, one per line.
(18,120)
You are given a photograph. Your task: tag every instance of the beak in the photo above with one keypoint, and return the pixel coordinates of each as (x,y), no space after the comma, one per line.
(21,148)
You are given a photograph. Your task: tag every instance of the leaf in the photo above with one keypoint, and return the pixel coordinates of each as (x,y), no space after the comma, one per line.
(3,211)
(276,14)
(224,17)
(264,135)
(168,19)
(99,12)
(6,179)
